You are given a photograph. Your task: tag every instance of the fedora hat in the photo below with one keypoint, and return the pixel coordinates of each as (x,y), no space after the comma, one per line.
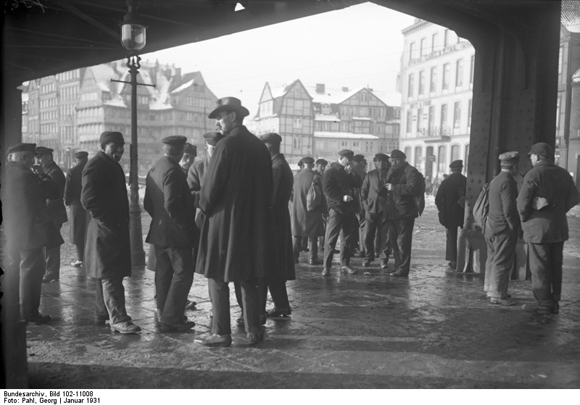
(229,104)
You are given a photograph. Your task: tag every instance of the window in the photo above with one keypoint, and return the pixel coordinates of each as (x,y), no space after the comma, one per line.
(326,109)
(408,151)
(471,69)
(469,114)
(445,85)
(442,159)
(431,119)
(298,123)
(421,82)
(297,142)
(457,114)
(419,120)
(411,50)
(459,73)
(434,42)
(445,38)
(422,47)
(455,153)
(344,126)
(433,86)
(418,153)
(409,121)
(443,117)
(560,63)
(410,86)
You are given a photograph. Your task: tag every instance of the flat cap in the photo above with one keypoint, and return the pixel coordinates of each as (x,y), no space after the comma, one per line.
(542,149)
(381,156)
(81,154)
(111,136)
(22,147)
(271,138)
(212,138)
(300,163)
(397,154)
(358,158)
(510,157)
(190,148)
(308,160)
(456,164)
(175,140)
(229,104)
(346,152)
(321,162)
(41,150)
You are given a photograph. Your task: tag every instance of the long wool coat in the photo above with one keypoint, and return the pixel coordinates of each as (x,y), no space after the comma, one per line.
(282,253)
(104,196)
(55,207)
(304,222)
(236,199)
(194,181)
(450,212)
(72,198)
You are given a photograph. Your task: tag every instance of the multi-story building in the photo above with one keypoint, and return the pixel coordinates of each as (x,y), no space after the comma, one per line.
(318,121)
(435,81)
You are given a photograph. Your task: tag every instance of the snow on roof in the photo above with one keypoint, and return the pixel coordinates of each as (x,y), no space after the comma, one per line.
(361,118)
(182,87)
(344,135)
(330,95)
(116,102)
(326,117)
(103,74)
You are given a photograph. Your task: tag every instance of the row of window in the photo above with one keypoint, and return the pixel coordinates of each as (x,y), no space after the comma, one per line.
(440,159)
(48,88)
(70,75)
(425,119)
(423,49)
(49,102)
(445,80)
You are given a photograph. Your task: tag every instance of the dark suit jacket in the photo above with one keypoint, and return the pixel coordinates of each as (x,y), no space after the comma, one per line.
(169,202)
(72,198)
(548,225)
(55,207)
(401,199)
(503,213)
(374,194)
(450,212)
(336,183)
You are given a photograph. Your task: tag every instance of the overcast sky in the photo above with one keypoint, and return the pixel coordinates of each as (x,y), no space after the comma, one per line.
(355,47)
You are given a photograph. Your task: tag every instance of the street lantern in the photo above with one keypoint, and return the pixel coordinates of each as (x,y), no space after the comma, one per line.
(133,32)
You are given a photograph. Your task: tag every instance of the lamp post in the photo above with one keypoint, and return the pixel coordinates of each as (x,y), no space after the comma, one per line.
(133,39)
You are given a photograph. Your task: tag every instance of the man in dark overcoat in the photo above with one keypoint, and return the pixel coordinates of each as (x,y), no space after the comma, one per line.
(29,228)
(108,247)
(338,184)
(374,200)
(306,223)
(282,257)
(501,230)
(450,202)
(359,164)
(547,194)
(236,198)
(55,208)
(72,198)
(172,233)
(403,182)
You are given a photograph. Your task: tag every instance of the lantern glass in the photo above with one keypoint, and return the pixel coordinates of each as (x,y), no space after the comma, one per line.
(133,37)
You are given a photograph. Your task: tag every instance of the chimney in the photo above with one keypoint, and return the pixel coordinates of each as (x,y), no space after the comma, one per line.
(319,88)
(345,89)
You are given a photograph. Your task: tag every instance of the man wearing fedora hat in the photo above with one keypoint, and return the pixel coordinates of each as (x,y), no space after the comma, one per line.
(236,198)
(55,208)
(78,215)
(108,246)
(450,201)
(29,228)
(547,194)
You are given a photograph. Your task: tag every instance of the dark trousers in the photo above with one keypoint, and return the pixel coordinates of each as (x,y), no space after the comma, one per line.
(80,252)
(361,217)
(401,237)
(31,272)
(219,292)
(376,237)
(546,267)
(52,260)
(501,252)
(278,293)
(110,299)
(173,279)
(298,241)
(346,225)
(451,244)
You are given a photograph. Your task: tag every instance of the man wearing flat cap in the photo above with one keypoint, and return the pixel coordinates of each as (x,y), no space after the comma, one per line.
(547,194)
(374,200)
(501,230)
(403,183)
(108,246)
(55,208)
(338,184)
(450,201)
(29,228)
(282,258)
(189,155)
(307,223)
(173,234)
(236,198)
(72,198)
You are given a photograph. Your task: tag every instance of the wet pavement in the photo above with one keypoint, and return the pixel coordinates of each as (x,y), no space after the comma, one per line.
(369,330)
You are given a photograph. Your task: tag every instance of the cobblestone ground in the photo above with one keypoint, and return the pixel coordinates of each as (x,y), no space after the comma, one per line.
(432,330)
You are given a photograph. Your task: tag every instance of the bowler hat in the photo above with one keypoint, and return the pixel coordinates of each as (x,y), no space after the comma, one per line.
(81,154)
(510,157)
(22,147)
(321,162)
(41,150)
(346,152)
(229,104)
(190,149)
(456,164)
(212,138)
(542,149)
(111,136)
(380,156)
(271,138)
(397,154)
(308,160)
(175,140)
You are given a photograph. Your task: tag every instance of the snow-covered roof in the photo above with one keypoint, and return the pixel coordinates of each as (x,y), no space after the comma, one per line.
(344,135)
(182,87)
(326,117)
(361,118)
(330,95)
(116,102)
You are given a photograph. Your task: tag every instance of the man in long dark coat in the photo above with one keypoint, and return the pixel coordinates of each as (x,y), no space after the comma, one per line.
(450,201)
(281,252)
(547,194)
(307,223)
(338,184)
(29,228)
(55,208)
(72,198)
(359,164)
(173,234)
(236,198)
(108,247)
(501,230)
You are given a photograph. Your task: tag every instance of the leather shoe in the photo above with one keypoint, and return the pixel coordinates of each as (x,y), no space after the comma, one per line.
(279,313)
(348,269)
(125,328)
(190,305)
(326,272)
(452,265)
(39,319)
(502,301)
(215,341)
(367,263)
(315,261)
(176,327)
(556,307)
(255,338)
(398,273)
